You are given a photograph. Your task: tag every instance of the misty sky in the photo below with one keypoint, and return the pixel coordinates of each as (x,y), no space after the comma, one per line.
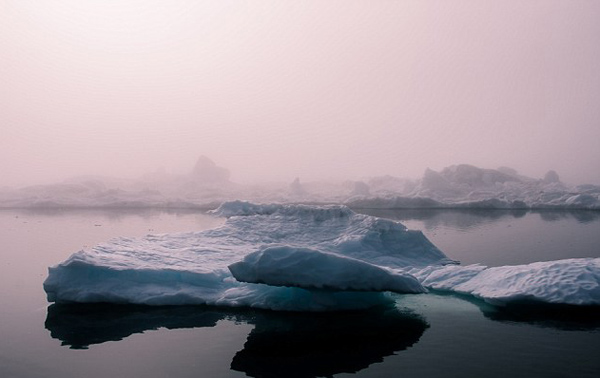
(316,89)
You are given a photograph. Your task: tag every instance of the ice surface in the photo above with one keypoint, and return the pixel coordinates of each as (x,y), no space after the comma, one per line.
(305,258)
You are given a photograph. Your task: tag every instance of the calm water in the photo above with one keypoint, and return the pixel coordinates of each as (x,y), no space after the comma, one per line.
(425,336)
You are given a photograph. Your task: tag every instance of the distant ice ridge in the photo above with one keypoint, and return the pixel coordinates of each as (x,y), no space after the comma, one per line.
(207,185)
(466,186)
(302,258)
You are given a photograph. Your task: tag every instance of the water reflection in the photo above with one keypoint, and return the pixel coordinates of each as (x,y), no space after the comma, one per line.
(324,344)
(538,314)
(581,216)
(281,344)
(560,317)
(81,325)
(470,219)
(109,214)
(505,237)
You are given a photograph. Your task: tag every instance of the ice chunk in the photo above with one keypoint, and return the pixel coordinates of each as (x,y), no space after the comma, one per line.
(309,268)
(570,281)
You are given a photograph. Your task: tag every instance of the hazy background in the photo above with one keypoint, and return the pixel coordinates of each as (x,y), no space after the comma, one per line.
(316,89)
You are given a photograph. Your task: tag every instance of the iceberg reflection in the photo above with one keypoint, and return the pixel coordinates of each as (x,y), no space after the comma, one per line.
(81,325)
(281,343)
(324,344)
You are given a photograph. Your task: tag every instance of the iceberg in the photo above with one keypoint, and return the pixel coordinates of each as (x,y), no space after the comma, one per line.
(302,258)
(465,186)
(353,254)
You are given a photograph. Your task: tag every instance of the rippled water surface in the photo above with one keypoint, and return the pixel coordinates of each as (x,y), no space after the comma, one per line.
(424,336)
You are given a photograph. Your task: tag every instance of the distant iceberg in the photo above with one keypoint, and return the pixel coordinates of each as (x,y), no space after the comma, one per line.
(467,186)
(207,185)
(301,258)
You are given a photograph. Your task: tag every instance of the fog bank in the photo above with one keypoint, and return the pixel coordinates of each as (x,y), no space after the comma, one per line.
(318,90)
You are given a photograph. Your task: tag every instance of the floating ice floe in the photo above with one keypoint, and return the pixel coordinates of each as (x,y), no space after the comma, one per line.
(569,281)
(301,258)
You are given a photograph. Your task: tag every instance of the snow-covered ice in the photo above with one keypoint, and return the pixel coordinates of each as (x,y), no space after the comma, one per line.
(303,258)
(570,281)
(313,269)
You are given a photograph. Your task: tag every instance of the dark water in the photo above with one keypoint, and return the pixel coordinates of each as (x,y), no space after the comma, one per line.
(424,336)
(504,237)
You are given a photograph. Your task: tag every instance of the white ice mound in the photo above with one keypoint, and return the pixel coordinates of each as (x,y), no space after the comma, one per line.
(192,268)
(312,269)
(570,282)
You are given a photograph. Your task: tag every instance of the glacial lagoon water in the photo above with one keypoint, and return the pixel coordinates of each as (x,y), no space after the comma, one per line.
(424,336)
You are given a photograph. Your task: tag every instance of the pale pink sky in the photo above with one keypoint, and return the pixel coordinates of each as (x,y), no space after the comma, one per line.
(315,89)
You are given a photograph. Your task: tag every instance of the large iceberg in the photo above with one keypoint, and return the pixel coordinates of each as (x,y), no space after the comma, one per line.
(345,261)
(302,258)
